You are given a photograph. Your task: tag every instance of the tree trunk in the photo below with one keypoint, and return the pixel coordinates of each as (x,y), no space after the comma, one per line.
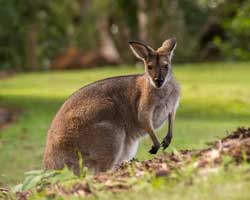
(142,20)
(32,60)
(107,48)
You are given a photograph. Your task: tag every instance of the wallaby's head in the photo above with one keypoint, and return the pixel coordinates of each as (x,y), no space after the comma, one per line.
(157,62)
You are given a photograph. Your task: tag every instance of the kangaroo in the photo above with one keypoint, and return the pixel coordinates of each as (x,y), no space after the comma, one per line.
(104,121)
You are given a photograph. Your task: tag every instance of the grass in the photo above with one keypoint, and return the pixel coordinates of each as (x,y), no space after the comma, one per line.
(215,99)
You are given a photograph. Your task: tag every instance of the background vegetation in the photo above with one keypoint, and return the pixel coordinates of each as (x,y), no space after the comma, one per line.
(36,35)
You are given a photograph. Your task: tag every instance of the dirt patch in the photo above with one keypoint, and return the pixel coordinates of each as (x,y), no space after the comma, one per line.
(7,116)
(5,74)
(235,146)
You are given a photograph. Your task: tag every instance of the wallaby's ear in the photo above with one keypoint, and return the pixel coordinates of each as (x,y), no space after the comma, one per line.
(168,47)
(140,50)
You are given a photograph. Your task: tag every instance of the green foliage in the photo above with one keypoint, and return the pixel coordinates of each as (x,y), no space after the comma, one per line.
(17,17)
(237,29)
(33,179)
(11,34)
(55,29)
(61,23)
(40,179)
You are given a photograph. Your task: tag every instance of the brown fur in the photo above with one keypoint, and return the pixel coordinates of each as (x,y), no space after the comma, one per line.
(103,121)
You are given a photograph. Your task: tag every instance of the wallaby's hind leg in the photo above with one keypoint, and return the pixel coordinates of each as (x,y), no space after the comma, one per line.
(55,157)
(100,147)
(129,150)
(105,149)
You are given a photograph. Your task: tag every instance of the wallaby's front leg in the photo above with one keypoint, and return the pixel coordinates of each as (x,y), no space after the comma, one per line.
(148,127)
(167,139)
(156,144)
(150,130)
(145,118)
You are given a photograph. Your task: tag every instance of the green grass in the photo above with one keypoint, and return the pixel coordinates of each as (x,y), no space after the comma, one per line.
(215,99)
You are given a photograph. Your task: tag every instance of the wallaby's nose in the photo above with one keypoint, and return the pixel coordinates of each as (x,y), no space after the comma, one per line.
(158,81)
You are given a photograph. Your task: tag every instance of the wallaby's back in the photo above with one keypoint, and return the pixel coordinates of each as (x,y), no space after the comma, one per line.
(110,104)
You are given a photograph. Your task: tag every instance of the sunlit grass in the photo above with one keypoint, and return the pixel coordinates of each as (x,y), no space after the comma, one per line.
(215,99)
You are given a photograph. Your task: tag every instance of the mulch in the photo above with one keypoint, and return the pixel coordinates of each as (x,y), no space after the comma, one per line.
(235,145)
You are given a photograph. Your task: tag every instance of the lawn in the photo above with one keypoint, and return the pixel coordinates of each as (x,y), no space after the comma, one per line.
(215,100)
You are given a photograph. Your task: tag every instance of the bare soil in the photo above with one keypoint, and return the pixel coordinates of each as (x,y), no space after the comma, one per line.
(6,73)
(8,115)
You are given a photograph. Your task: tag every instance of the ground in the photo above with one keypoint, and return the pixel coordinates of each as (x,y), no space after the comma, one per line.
(215,100)
(220,170)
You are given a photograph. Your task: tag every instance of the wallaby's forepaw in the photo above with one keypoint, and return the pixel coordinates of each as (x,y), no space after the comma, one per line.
(154,149)
(166,142)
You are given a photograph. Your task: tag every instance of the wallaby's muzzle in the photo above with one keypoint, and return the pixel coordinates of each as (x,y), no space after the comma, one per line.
(159,82)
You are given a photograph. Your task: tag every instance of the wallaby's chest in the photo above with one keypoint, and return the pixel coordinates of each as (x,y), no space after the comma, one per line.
(161,111)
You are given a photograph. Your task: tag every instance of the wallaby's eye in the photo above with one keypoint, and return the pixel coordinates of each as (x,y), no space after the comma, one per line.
(166,66)
(150,67)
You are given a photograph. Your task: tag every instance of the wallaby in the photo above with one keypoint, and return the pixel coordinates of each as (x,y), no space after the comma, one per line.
(104,121)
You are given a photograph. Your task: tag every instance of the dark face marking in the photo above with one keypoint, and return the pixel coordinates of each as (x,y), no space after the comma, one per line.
(158,68)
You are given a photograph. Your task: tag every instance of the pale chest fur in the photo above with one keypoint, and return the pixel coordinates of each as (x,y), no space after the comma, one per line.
(162,107)
(160,115)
